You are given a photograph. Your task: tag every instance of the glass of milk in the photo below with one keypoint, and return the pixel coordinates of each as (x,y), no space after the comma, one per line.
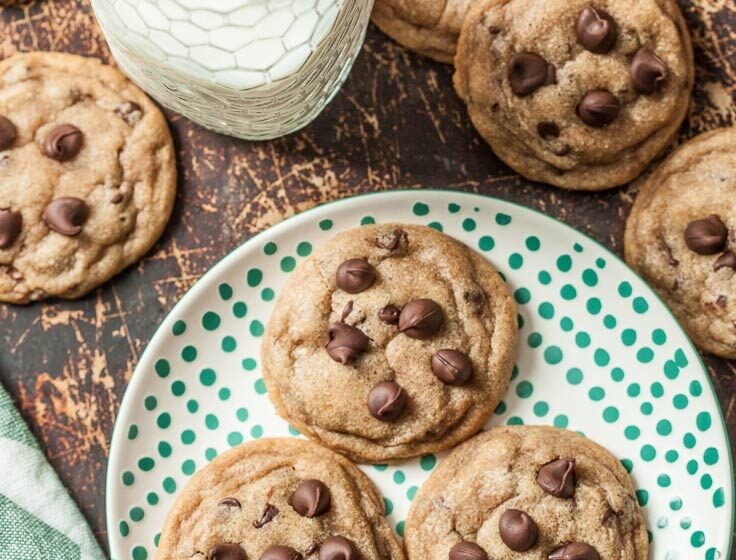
(255,69)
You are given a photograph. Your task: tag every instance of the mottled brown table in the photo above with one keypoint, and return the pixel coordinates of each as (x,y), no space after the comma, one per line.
(396,123)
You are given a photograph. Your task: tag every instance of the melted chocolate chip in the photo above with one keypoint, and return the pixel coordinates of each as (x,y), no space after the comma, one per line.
(648,72)
(281,553)
(355,276)
(337,548)
(420,318)
(270,511)
(599,108)
(7,133)
(390,314)
(575,551)
(596,30)
(548,130)
(391,241)
(66,215)
(528,72)
(230,503)
(386,401)
(452,367)
(345,343)
(558,478)
(226,551)
(11,223)
(465,550)
(707,236)
(130,112)
(726,260)
(518,530)
(63,142)
(311,498)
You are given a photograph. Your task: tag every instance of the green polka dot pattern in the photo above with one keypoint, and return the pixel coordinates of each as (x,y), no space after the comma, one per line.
(598,353)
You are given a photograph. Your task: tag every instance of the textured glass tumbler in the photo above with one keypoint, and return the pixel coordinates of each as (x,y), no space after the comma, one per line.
(255,69)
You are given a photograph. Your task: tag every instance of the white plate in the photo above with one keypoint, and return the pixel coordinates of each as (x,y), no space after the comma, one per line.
(599,353)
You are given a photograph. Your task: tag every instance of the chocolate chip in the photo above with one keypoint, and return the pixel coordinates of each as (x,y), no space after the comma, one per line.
(130,112)
(346,311)
(475,299)
(230,503)
(337,548)
(726,260)
(420,318)
(452,367)
(599,108)
(648,72)
(7,133)
(386,401)
(226,551)
(391,241)
(355,276)
(575,551)
(11,223)
(707,236)
(722,301)
(117,199)
(311,498)
(390,314)
(66,215)
(268,515)
(558,478)
(465,550)
(528,72)
(281,553)
(548,130)
(494,30)
(518,530)
(597,30)
(345,343)
(311,549)
(63,142)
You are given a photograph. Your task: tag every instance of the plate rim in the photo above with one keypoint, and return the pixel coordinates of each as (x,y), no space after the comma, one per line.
(200,284)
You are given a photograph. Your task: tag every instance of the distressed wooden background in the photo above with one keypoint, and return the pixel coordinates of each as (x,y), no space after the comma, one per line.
(396,123)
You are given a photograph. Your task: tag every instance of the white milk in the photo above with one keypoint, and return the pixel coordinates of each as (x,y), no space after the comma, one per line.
(255,69)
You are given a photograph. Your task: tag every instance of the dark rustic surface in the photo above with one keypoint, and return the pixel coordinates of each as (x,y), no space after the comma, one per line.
(396,123)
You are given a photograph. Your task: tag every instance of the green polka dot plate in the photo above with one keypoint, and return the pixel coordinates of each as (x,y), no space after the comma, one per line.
(598,353)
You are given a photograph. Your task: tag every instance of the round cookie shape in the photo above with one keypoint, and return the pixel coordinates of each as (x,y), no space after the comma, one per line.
(577,94)
(498,496)
(680,238)
(87,175)
(247,504)
(414,363)
(428,27)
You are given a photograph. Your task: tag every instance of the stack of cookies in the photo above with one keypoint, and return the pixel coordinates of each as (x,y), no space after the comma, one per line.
(585,96)
(392,341)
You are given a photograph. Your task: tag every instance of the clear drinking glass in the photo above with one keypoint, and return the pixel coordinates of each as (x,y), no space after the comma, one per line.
(255,69)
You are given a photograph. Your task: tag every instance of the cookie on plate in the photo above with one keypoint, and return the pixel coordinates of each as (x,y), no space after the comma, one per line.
(279,499)
(578,94)
(429,27)
(681,237)
(87,175)
(391,341)
(527,492)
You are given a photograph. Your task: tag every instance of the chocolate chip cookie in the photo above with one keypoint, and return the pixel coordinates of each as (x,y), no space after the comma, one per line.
(578,94)
(527,492)
(429,27)
(87,175)
(391,341)
(279,499)
(681,237)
